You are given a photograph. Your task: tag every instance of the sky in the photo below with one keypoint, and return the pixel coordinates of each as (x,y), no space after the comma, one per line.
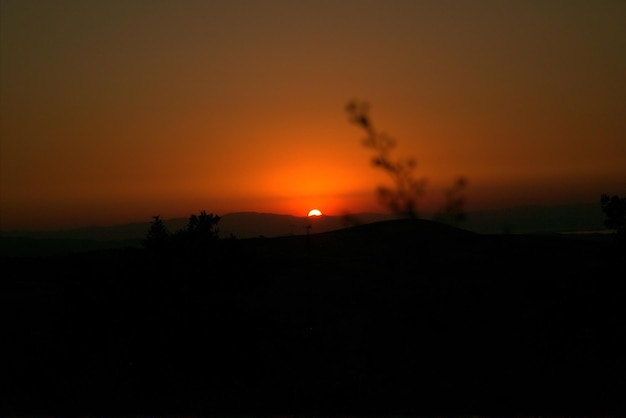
(115,111)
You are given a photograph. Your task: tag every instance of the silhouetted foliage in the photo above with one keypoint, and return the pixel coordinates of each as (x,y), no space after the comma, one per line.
(201,230)
(158,236)
(614,208)
(403,198)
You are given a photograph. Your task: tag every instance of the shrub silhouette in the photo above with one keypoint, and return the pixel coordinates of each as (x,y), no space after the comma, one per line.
(614,208)
(158,237)
(403,198)
(201,230)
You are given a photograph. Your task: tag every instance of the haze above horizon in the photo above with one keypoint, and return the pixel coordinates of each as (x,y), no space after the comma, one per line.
(113,112)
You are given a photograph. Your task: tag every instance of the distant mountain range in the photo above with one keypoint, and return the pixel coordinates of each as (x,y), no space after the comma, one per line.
(517,220)
(587,217)
(239,225)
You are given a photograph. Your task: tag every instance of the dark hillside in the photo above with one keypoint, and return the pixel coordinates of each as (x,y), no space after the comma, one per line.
(403,317)
(24,247)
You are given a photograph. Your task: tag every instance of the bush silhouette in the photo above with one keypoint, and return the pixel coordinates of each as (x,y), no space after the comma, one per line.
(201,230)
(158,237)
(614,208)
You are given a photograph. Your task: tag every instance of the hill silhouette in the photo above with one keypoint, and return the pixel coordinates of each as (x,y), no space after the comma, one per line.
(238,224)
(518,220)
(399,316)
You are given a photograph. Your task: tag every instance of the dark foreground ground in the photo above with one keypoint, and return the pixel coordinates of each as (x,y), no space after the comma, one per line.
(399,317)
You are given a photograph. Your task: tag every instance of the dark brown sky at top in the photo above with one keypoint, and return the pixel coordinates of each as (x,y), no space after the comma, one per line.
(115,111)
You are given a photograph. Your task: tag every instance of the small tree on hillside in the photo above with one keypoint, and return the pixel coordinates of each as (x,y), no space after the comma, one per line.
(203,228)
(157,236)
(200,231)
(614,208)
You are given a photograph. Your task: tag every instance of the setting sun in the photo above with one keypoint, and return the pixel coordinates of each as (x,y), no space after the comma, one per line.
(315,212)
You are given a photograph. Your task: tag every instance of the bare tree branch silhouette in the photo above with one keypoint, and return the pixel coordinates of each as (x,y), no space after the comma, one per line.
(403,197)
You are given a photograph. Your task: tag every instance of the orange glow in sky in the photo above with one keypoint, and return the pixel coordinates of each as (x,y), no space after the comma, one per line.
(113,112)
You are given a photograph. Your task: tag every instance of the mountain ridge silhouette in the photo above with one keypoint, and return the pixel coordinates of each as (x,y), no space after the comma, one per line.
(516,219)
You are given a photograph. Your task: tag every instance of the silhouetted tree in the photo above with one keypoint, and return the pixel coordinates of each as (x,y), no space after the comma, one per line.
(614,208)
(403,198)
(203,228)
(200,231)
(158,236)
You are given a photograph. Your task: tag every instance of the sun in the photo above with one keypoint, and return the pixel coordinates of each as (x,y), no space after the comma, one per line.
(315,212)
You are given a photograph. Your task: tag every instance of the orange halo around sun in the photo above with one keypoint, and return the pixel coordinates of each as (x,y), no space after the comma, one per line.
(315,212)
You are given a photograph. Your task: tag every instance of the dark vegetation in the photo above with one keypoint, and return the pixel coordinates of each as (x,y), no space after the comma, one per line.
(406,190)
(402,316)
(201,232)
(614,208)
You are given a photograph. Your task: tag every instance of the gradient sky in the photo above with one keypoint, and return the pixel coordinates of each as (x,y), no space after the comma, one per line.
(114,111)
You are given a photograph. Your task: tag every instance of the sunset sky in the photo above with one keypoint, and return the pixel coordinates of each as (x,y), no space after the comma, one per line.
(115,111)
